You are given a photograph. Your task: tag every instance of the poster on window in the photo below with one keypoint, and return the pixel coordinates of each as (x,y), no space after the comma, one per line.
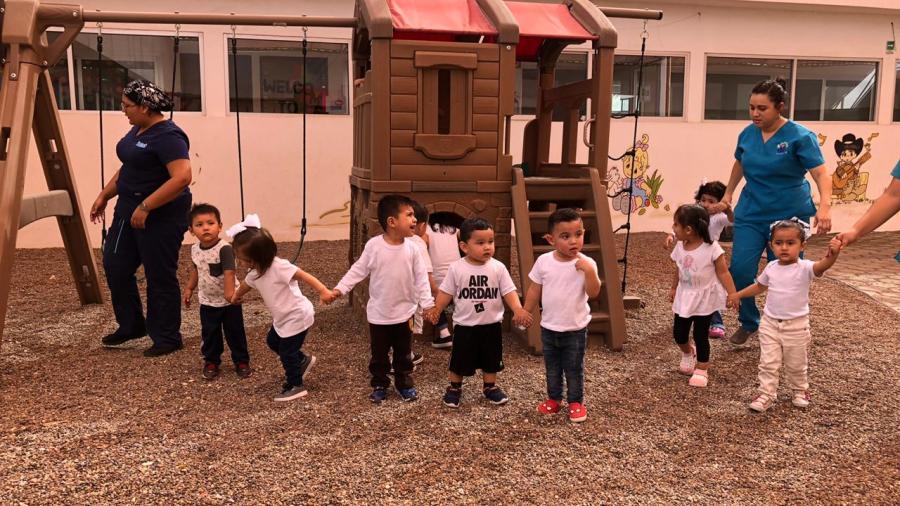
(282,88)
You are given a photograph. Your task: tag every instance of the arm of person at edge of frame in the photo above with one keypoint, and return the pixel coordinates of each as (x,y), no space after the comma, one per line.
(106,194)
(325,295)
(191,285)
(724,276)
(751,291)
(825,263)
(887,205)
(822,219)
(179,179)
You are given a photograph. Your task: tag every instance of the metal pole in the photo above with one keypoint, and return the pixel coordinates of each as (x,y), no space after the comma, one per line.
(619,12)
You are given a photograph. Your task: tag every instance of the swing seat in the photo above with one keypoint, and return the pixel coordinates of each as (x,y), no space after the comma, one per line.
(36,207)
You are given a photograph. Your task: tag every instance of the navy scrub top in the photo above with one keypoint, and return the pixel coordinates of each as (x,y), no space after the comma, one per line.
(144,158)
(775,173)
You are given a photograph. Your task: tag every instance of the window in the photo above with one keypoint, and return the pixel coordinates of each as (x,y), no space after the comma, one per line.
(663,85)
(59,76)
(730,80)
(270,77)
(125,58)
(570,68)
(897,94)
(835,90)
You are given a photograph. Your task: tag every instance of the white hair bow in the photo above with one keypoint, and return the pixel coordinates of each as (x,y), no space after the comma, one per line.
(252,220)
(804,226)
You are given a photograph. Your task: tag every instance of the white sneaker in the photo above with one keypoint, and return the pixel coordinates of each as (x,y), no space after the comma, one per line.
(801,399)
(688,361)
(761,403)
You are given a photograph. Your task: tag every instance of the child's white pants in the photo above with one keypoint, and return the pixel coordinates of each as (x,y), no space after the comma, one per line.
(783,341)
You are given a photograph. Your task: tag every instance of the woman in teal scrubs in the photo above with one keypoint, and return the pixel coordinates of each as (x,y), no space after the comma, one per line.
(773,156)
(887,205)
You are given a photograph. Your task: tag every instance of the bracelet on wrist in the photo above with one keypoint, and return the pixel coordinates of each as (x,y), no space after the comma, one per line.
(143,207)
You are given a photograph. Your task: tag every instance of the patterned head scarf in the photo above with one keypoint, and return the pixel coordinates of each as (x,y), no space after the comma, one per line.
(146,93)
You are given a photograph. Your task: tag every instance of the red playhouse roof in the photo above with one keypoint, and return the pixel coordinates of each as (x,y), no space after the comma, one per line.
(538,22)
(440,19)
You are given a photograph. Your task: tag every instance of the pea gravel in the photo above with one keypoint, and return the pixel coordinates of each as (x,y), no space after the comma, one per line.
(83,424)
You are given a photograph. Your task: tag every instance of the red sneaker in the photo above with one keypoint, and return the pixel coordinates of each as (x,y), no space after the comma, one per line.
(577,412)
(549,407)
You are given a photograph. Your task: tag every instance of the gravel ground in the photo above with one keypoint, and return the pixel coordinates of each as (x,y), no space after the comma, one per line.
(82,424)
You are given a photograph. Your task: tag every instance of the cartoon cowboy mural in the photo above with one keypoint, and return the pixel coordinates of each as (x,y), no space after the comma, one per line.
(847,182)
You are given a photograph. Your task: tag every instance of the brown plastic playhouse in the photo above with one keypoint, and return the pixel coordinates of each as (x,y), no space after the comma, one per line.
(434,97)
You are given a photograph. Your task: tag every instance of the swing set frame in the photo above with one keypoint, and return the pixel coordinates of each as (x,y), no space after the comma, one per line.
(28,106)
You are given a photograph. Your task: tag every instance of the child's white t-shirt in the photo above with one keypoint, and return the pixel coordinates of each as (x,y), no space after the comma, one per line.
(717,223)
(477,291)
(564,303)
(699,291)
(788,288)
(423,251)
(292,312)
(443,248)
(398,281)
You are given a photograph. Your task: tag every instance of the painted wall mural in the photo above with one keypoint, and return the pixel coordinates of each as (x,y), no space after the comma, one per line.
(644,189)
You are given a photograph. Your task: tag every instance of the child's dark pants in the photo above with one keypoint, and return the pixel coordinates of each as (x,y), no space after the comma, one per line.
(384,338)
(288,350)
(214,321)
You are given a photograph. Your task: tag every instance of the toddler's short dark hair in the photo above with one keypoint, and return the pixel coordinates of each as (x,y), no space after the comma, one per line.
(420,212)
(564,215)
(203,208)
(713,189)
(469,227)
(390,206)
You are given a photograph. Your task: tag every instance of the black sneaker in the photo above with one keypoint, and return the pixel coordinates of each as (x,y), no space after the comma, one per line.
(117,339)
(442,342)
(158,350)
(290,392)
(452,397)
(210,371)
(496,395)
(378,395)
(308,362)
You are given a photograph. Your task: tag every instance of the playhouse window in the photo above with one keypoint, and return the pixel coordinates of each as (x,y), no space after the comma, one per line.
(443,111)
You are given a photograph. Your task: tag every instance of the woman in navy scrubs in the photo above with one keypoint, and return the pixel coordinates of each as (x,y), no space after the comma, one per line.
(773,156)
(149,222)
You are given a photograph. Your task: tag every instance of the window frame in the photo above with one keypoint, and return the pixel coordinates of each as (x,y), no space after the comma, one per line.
(70,61)
(795,61)
(575,49)
(297,39)
(687,81)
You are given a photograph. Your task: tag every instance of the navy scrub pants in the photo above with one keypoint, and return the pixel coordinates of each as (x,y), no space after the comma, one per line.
(750,240)
(156,247)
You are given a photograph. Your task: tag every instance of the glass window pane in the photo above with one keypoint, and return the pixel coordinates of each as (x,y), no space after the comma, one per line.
(663,85)
(830,90)
(730,80)
(270,77)
(570,68)
(59,76)
(129,57)
(897,94)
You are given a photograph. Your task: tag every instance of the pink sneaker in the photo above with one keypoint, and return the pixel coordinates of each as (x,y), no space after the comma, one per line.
(717,333)
(700,378)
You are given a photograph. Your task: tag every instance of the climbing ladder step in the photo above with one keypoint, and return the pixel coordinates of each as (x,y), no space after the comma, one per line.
(565,189)
(599,321)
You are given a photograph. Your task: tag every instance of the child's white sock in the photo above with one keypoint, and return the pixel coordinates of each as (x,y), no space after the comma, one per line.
(445,332)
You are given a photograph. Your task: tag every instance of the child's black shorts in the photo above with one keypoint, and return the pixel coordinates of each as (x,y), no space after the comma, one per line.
(478,347)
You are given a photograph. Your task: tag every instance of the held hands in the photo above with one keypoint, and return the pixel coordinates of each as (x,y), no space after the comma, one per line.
(327,296)
(432,315)
(236,299)
(522,318)
(733,301)
(834,247)
(845,239)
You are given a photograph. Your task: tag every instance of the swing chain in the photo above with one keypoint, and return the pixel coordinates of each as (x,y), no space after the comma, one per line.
(99,29)
(644,33)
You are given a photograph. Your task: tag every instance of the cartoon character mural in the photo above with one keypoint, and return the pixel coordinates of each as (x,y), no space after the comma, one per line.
(847,182)
(644,190)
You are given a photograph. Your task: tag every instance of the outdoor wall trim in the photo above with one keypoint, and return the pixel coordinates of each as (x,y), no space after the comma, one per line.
(502,18)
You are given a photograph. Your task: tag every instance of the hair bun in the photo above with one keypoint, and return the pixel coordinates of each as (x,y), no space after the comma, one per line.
(781,82)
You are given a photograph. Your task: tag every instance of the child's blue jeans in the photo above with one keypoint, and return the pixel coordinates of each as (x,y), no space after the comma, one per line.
(564,356)
(717,321)
(288,350)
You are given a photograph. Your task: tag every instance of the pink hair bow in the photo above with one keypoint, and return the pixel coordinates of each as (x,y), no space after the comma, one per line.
(251,221)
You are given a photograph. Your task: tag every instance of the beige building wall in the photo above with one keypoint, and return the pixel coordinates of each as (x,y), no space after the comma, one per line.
(682,150)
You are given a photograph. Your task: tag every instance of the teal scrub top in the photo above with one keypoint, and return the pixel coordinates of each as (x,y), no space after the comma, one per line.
(775,173)
(896,172)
